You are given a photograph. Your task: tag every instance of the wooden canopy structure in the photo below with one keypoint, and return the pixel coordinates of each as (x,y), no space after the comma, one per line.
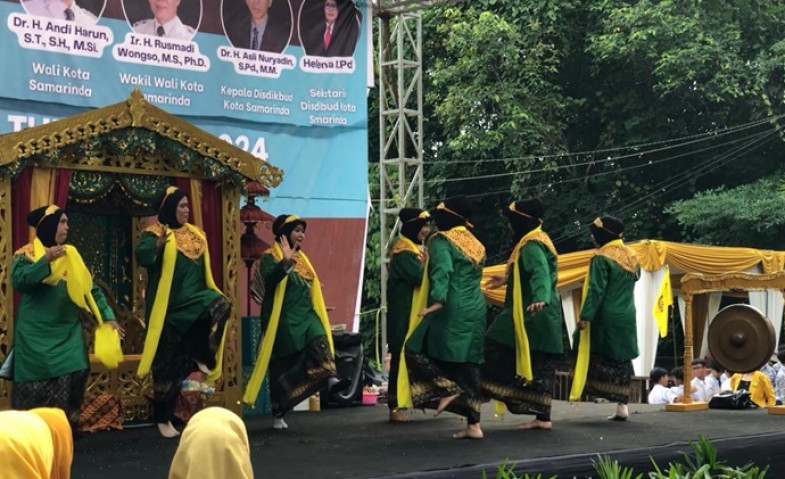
(114,158)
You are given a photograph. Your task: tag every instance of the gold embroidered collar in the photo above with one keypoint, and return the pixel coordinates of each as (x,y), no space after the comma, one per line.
(405,244)
(622,255)
(466,243)
(299,265)
(188,243)
(26,250)
(536,234)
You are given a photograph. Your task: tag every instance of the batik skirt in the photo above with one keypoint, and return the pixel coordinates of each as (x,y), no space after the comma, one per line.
(609,379)
(431,380)
(178,352)
(65,392)
(298,376)
(501,382)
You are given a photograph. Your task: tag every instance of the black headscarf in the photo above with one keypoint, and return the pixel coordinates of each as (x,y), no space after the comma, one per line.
(167,206)
(452,212)
(606,229)
(285,224)
(45,220)
(412,221)
(524,216)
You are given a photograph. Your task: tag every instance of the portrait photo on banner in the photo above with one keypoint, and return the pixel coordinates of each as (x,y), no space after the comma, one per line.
(178,19)
(81,12)
(329,28)
(263,25)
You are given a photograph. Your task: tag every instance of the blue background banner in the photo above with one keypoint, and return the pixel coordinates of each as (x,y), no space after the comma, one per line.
(204,66)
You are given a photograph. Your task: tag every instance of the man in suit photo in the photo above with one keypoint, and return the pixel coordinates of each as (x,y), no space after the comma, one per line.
(253,28)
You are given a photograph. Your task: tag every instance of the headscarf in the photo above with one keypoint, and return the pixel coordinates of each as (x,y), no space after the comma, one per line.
(62,440)
(45,221)
(167,206)
(606,229)
(26,450)
(524,216)
(283,225)
(452,212)
(214,444)
(412,221)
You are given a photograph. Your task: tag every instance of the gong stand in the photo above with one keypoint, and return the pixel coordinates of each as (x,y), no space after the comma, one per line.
(697,283)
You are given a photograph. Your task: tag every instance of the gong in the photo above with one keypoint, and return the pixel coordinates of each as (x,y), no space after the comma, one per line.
(741,339)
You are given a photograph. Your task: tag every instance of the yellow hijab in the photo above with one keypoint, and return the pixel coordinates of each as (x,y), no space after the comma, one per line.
(62,440)
(26,449)
(214,444)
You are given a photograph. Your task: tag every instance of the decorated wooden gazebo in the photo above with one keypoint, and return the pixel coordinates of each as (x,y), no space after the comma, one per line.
(105,166)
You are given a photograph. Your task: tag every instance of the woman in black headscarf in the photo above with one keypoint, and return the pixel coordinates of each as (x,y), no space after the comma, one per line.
(186,312)
(608,319)
(524,342)
(297,343)
(50,358)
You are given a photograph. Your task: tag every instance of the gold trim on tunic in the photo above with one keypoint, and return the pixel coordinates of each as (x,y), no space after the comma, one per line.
(466,243)
(620,254)
(540,237)
(188,242)
(299,266)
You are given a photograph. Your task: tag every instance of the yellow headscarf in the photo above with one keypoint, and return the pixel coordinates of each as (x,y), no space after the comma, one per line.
(62,440)
(214,444)
(26,450)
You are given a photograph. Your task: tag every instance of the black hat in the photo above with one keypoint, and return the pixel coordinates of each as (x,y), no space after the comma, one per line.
(606,229)
(167,206)
(453,212)
(45,220)
(283,225)
(524,216)
(412,221)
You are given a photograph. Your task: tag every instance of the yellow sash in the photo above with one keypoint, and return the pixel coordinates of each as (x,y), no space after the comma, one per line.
(584,346)
(419,302)
(268,339)
(79,284)
(156,322)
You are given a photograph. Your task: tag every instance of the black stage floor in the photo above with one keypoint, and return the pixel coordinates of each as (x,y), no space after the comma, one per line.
(358,442)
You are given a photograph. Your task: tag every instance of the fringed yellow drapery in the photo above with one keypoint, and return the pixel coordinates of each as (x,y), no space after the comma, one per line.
(653,255)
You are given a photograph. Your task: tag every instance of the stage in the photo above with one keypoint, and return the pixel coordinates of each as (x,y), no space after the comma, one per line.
(358,442)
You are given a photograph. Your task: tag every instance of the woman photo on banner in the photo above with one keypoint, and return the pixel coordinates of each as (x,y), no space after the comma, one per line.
(186,312)
(50,362)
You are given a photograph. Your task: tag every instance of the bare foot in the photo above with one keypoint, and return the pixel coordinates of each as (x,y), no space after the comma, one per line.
(444,402)
(167,430)
(279,423)
(203,368)
(537,424)
(473,431)
(399,416)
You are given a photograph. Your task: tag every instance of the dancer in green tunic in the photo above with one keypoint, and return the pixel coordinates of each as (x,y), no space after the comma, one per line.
(609,308)
(444,352)
(186,312)
(406,269)
(539,307)
(51,366)
(297,342)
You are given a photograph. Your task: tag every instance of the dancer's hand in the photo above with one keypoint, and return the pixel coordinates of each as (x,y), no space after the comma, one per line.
(535,308)
(54,253)
(430,309)
(582,324)
(117,327)
(496,281)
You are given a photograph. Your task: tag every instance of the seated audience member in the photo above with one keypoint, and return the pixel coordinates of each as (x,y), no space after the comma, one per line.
(701,391)
(677,379)
(717,379)
(26,447)
(660,394)
(771,368)
(758,384)
(779,382)
(214,444)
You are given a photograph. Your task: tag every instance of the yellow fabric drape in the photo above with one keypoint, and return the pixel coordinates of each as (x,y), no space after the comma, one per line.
(523,365)
(419,302)
(156,322)
(62,440)
(584,351)
(196,203)
(266,348)
(653,255)
(79,284)
(42,191)
(215,445)
(26,449)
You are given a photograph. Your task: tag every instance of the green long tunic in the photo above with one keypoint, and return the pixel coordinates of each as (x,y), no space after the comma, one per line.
(538,270)
(455,333)
(48,334)
(189,296)
(406,272)
(299,324)
(610,308)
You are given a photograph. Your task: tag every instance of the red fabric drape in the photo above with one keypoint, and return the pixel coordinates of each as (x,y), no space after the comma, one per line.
(62,180)
(20,200)
(212,215)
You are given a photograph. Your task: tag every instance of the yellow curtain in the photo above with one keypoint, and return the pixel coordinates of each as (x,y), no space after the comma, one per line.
(653,255)
(196,203)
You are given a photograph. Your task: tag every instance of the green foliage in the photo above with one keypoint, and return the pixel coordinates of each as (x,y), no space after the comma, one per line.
(506,471)
(607,469)
(704,464)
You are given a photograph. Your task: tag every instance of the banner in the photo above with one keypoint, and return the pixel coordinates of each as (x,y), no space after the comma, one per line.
(297,62)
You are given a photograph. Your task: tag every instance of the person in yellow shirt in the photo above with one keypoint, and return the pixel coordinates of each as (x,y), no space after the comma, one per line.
(758,384)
